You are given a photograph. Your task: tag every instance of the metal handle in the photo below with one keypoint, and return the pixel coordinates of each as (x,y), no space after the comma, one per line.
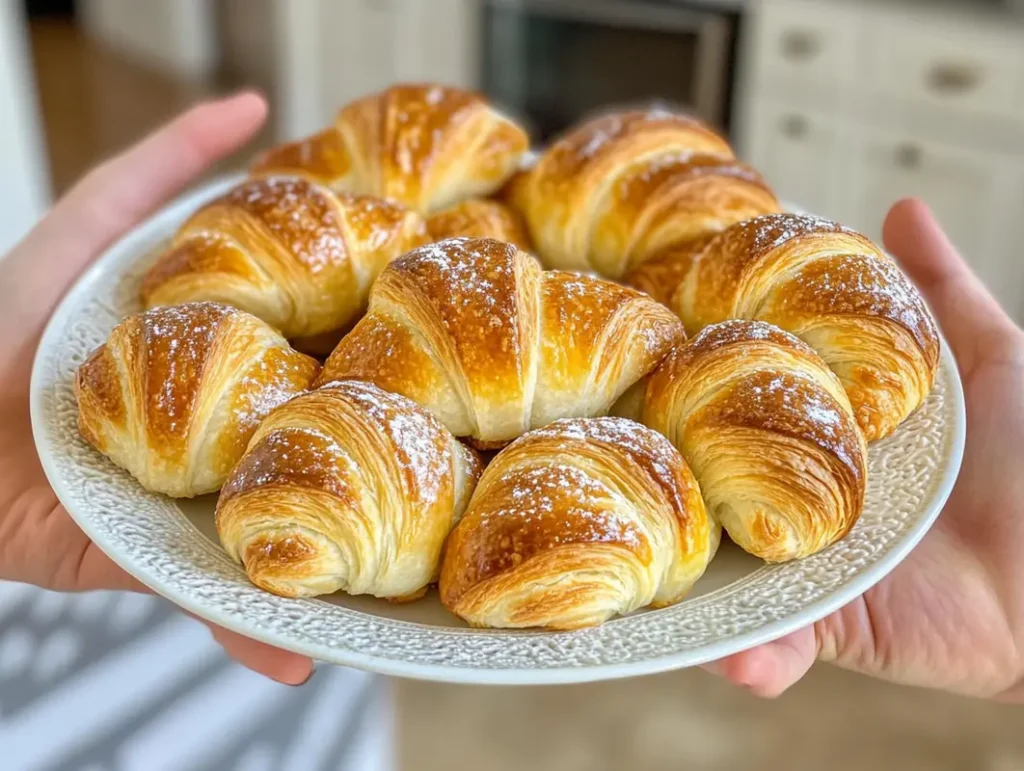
(800,45)
(953,79)
(909,156)
(796,127)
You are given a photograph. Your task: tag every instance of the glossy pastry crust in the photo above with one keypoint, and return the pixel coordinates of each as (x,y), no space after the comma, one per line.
(769,433)
(174,394)
(624,187)
(427,146)
(480,218)
(346,488)
(837,291)
(477,332)
(286,250)
(575,523)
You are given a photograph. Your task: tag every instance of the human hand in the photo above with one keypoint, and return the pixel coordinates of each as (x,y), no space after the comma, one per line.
(951,616)
(39,542)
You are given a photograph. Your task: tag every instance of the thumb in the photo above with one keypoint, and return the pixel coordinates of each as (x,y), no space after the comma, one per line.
(970,317)
(770,669)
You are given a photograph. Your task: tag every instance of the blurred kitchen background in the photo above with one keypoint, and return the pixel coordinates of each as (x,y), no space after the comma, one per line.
(845,106)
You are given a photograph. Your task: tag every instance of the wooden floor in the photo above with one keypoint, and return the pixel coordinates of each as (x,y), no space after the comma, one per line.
(95,103)
(833,721)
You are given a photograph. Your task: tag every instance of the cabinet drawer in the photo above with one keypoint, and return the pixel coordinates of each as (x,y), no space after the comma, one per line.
(808,42)
(966,191)
(798,152)
(975,69)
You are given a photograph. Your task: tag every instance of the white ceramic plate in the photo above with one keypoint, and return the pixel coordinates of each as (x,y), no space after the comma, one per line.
(172,546)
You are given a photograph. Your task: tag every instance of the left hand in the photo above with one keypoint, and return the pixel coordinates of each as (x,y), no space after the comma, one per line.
(39,542)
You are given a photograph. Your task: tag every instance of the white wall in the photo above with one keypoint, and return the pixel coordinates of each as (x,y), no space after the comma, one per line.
(24,185)
(177,36)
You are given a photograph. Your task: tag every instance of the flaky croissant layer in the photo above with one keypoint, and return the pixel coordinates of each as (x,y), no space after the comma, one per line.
(426,146)
(289,251)
(346,488)
(492,345)
(175,393)
(769,433)
(834,289)
(575,523)
(618,190)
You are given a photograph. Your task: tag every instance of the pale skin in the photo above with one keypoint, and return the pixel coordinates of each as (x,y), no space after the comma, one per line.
(950,617)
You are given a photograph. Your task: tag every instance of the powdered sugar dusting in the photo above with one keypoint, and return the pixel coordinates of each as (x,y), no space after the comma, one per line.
(293,456)
(472,283)
(277,377)
(770,231)
(864,285)
(649,449)
(300,215)
(792,404)
(178,339)
(740,331)
(422,446)
(550,505)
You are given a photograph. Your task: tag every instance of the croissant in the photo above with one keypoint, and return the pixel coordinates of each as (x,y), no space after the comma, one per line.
(769,433)
(286,250)
(175,393)
(346,488)
(478,218)
(426,146)
(834,289)
(475,331)
(624,187)
(574,523)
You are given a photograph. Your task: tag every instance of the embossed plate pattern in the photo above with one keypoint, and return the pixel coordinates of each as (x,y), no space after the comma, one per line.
(911,475)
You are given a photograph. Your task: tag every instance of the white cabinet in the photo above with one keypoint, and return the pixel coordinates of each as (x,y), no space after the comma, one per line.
(333,51)
(960,186)
(367,45)
(847,107)
(798,153)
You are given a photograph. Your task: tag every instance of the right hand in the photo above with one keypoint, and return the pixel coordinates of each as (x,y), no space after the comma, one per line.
(951,616)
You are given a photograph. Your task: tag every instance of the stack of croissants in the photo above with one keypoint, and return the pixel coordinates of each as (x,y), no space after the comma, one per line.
(408,351)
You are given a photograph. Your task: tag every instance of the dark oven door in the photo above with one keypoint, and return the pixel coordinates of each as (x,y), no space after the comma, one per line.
(554,62)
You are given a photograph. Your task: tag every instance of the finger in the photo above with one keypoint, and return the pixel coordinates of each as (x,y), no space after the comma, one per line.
(97,571)
(124,190)
(282,666)
(771,669)
(968,314)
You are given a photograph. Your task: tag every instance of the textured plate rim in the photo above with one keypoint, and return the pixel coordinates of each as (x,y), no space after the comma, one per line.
(236,622)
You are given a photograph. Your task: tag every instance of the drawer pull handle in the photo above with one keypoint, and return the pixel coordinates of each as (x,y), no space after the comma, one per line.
(795,127)
(800,45)
(953,79)
(909,157)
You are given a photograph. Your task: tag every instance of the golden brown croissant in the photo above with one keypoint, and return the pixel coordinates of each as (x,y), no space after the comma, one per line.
(834,289)
(475,331)
(769,433)
(286,250)
(621,188)
(346,488)
(426,146)
(574,523)
(479,218)
(175,393)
